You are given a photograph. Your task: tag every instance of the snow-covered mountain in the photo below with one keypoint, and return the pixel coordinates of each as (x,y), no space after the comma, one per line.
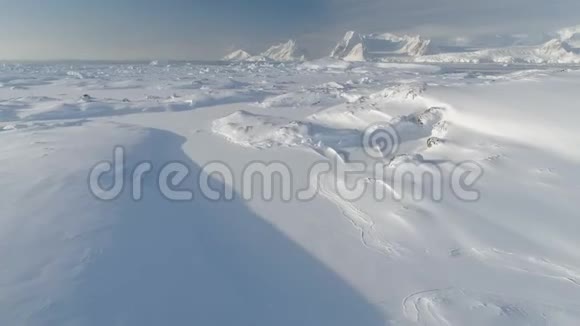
(552,52)
(285,52)
(376,46)
(415,46)
(347,44)
(357,54)
(570,35)
(559,47)
(239,55)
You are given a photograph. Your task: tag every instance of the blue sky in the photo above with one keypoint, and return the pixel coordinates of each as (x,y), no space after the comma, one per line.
(205,29)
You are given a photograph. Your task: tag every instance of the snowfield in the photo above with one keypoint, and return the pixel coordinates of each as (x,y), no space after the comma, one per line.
(502,252)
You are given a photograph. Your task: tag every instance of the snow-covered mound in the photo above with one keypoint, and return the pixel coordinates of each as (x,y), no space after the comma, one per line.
(359,47)
(260,131)
(239,55)
(285,52)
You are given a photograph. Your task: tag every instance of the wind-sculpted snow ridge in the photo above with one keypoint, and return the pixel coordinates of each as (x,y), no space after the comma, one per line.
(361,47)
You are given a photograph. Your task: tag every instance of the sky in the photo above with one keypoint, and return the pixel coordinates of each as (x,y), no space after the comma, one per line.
(208,29)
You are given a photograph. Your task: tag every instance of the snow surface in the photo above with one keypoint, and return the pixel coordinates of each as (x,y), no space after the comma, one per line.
(509,258)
